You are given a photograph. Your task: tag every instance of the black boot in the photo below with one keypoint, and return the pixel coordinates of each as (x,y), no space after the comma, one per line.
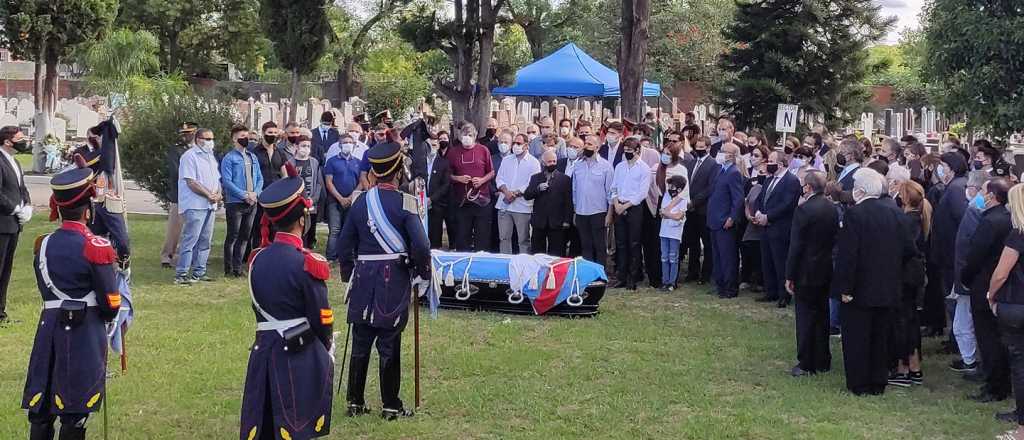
(355,410)
(71,432)
(394,414)
(41,431)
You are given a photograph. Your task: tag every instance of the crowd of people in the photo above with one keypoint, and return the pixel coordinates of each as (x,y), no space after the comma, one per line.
(880,244)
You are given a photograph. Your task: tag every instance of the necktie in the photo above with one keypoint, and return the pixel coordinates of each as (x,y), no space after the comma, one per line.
(771,187)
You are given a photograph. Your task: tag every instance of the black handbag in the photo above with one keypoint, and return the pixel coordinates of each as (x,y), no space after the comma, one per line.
(297,338)
(72,313)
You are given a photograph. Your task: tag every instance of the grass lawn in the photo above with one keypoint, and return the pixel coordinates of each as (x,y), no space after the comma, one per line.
(25,160)
(679,366)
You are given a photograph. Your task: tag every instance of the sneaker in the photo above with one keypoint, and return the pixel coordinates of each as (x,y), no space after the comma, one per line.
(900,380)
(356,410)
(394,414)
(204,278)
(917,378)
(182,280)
(960,366)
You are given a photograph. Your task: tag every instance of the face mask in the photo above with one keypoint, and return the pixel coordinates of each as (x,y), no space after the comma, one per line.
(665,159)
(572,154)
(564,131)
(628,155)
(550,168)
(838,168)
(720,158)
(979,201)
(940,172)
(531,136)
(293,139)
(503,148)
(977,164)
(442,145)
(723,134)
(796,163)
(773,168)
(243,142)
(841,160)
(206,145)
(673,192)
(325,125)
(467,141)
(354,134)
(612,138)
(700,153)
(269,138)
(588,153)
(302,152)
(489,133)
(346,148)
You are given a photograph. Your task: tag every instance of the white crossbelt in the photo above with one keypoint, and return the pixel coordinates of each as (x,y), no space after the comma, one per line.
(380,257)
(89,298)
(271,323)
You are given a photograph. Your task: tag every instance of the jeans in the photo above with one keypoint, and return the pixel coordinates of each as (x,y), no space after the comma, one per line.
(669,261)
(963,329)
(507,220)
(336,215)
(194,248)
(239,219)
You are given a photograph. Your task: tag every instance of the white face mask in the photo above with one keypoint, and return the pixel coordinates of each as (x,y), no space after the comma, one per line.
(721,159)
(531,136)
(302,152)
(503,148)
(346,148)
(325,125)
(518,149)
(612,138)
(467,141)
(206,145)
(572,153)
(564,131)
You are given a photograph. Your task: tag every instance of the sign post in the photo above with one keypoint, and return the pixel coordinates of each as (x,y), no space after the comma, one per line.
(785,119)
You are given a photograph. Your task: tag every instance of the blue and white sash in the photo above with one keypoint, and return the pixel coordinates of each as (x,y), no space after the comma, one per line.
(382,229)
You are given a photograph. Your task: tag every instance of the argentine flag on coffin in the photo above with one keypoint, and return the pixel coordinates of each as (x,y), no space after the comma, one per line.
(125,315)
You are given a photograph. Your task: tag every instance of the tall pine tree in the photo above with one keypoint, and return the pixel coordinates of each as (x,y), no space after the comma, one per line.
(807,52)
(298,30)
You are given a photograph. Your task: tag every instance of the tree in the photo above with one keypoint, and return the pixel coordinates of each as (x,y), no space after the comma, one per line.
(975,58)
(393,80)
(126,63)
(298,30)
(807,52)
(632,58)
(354,47)
(46,31)
(686,39)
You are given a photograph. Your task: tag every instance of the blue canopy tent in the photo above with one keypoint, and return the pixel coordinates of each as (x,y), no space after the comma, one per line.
(568,72)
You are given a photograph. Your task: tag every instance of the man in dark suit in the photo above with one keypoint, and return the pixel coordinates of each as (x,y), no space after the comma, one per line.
(15,206)
(438,180)
(808,274)
(696,235)
(551,192)
(324,136)
(726,130)
(873,247)
(983,254)
(775,206)
(725,209)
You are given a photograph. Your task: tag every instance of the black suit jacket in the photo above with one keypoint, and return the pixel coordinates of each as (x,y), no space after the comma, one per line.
(874,245)
(815,226)
(320,145)
(440,183)
(779,205)
(551,208)
(701,183)
(12,193)
(603,151)
(984,250)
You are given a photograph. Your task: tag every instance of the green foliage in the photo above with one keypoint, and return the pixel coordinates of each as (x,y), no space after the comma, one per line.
(151,129)
(392,79)
(511,52)
(900,66)
(811,53)
(59,25)
(686,39)
(126,62)
(298,31)
(976,58)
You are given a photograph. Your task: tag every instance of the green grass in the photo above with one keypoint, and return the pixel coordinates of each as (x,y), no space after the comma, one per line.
(25,160)
(680,366)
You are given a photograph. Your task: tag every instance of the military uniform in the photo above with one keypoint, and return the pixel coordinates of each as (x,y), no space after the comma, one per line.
(288,381)
(101,160)
(76,278)
(381,247)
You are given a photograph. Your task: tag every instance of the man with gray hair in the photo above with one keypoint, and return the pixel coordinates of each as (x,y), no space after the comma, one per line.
(809,273)
(872,247)
(963,321)
(472,171)
(199,194)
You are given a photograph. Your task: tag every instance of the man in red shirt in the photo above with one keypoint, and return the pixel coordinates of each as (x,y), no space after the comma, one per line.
(472,171)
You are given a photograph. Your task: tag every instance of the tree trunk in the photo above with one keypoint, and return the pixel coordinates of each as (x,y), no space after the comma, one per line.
(535,37)
(49,106)
(295,95)
(39,75)
(346,79)
(482,97)
(632,56)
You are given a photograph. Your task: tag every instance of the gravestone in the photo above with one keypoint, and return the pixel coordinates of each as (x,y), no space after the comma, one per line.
(59,128)
(12,106)
(545,109)
(503,119)
(3,106)
(265,114)
(346,112)
(26,110)
(8,119)
(494,106)
(586,108)
(560,113)
(508,104)
(326,104)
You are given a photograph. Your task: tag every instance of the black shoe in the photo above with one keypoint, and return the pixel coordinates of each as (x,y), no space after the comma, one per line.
(631,286)
(767,299)
(754,288)
(933,332)
(356,410)
(166,265)
(799,372)
(783,302)
(619,285)
(975,376)
(987,397)
(1007,417)
(900,380)
(960,366)
(917,378)
(394,414)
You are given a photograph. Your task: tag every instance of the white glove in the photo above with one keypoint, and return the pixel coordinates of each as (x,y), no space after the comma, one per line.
(334,346)
(24,214)
(420,285)
(543,186)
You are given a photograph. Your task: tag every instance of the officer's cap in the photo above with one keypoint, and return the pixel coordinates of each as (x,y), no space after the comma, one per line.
(71,188)
(282,201)
(188,127)
(385,159)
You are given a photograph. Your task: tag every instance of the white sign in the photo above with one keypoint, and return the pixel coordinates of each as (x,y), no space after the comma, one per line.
(785,119)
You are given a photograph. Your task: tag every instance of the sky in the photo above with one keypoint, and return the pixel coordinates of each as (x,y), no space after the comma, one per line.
(906,13)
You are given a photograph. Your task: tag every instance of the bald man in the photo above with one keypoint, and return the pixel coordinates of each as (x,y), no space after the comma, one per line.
(551,192)
(725,209)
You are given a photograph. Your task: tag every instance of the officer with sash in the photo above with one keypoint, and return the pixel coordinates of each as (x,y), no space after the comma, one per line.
(291,366)
(75,275)
(100,154)
(381,248)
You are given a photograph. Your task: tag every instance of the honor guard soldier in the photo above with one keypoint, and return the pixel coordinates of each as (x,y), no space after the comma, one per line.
(291,366)
(381,247)
(75,275)
(101,156)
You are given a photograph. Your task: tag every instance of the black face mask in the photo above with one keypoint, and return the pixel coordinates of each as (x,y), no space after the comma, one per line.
(628,155)
(489,133)
(977,164)
(588,153)
(838,168)
(841,160)
(700,153)
(673,192)
(442,145)
(243,142)
(21,146)
(293,139)
(773,168)
(788,150)
(269,138)
(94,142)
(550,168)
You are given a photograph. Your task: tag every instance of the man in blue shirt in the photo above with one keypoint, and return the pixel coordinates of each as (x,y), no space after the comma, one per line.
(199,192)
(342,177)
(242,180)
(725,208)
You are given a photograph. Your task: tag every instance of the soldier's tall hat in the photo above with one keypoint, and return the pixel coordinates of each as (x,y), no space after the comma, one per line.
(72,188)
(385,159)
(282,202)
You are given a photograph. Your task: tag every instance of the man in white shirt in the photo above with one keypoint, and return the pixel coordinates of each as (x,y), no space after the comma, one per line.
(630,184)
(514,210)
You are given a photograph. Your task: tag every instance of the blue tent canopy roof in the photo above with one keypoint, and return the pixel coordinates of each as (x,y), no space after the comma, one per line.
(570,72)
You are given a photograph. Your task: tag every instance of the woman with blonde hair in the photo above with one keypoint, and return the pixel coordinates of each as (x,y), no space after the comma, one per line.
(906,337)
(1006,298)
